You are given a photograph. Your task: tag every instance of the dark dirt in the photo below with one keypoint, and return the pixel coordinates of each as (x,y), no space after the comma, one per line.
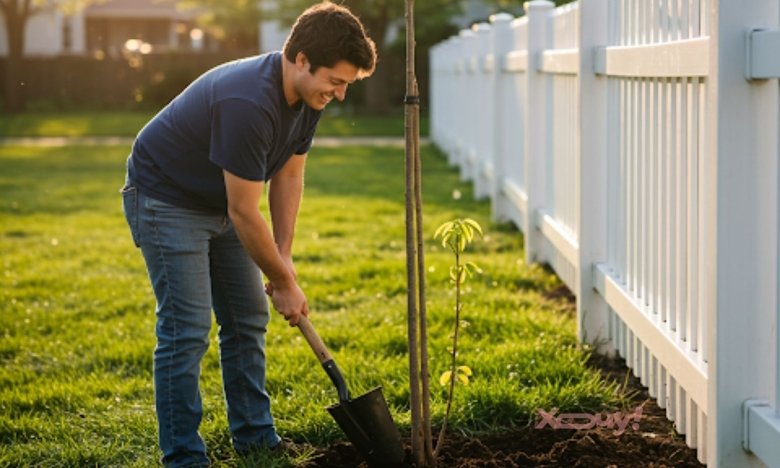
(649,442)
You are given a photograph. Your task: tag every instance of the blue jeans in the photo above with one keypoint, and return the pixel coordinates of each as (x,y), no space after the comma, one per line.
(195,263)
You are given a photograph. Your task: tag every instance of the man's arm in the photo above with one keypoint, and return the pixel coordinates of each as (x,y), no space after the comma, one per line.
(284,200)
(253,231)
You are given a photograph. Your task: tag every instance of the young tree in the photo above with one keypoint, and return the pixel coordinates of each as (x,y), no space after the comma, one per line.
(417,328)
(456,235)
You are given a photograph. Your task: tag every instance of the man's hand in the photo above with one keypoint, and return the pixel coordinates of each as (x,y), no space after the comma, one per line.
(288,301)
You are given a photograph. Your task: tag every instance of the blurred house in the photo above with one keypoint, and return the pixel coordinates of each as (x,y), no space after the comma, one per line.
(111,27)
(272,36)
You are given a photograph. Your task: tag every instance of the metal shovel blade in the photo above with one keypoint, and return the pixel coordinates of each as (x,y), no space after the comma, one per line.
(367,423)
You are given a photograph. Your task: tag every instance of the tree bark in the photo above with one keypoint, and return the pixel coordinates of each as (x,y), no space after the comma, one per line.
(422,449)
(377,97)
(16,15)
(417,433)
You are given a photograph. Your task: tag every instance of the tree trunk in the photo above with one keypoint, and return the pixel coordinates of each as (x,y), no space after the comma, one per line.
(14,84)
(15,20)
(422,448)
(377,95)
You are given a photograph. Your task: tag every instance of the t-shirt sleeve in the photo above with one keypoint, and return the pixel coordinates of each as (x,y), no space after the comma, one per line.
(305,146)
(241,138)
(308,138)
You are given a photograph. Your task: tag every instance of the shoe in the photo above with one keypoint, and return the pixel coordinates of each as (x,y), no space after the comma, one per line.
(288,447)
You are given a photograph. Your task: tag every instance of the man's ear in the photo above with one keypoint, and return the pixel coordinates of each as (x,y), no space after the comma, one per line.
(302,62)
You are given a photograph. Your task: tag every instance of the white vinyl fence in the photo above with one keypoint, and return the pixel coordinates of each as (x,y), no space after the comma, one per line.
(635,145)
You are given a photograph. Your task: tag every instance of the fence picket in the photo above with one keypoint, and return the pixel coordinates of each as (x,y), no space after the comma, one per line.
(663,383)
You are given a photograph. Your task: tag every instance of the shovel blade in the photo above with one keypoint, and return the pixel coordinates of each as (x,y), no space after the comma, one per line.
(368,425)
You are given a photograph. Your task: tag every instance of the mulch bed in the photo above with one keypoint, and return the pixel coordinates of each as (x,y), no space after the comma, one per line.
(649,442)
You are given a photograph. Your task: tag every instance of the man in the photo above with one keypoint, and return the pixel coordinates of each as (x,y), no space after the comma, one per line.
(194,182)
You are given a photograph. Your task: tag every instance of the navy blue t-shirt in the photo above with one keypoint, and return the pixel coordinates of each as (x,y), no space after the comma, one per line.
(233,117)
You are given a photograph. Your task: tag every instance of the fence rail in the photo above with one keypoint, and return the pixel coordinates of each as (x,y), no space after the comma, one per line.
(624,140)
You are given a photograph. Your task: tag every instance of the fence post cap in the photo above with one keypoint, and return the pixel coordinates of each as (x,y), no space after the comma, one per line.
(480,28)
(540,5)
(501,18)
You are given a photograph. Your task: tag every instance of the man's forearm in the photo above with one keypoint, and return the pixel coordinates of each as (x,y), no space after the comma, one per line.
(255,236)
(284,200)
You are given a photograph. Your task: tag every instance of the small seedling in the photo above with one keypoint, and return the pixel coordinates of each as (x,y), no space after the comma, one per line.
(456,236)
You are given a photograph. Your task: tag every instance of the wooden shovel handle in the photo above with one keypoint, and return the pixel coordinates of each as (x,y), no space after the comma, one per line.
(314,340)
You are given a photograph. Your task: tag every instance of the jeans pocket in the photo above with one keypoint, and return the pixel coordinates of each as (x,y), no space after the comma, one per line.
(130,208)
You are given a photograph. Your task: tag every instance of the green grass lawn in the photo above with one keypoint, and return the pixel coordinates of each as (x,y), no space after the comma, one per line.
(77,327)
(127,123)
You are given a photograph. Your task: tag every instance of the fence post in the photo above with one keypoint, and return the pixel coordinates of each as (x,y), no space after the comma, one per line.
(466,94)
(457,106)
(486,102)
(537,115)
(436,84)
(591,170)
(502,44)
(449,109)
(452,106)
(739,170)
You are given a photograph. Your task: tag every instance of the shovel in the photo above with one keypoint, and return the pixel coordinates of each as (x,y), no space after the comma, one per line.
(365,420)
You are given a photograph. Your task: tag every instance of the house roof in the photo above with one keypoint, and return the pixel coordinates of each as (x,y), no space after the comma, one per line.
(157,9)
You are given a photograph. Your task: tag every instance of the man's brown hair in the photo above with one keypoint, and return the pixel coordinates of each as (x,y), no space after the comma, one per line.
(327,33)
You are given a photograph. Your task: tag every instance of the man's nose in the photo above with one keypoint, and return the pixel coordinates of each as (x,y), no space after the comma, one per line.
(341,92)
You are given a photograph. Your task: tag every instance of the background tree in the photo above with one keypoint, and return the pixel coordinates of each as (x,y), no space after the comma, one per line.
(15,14)
(383,20)
(236,23)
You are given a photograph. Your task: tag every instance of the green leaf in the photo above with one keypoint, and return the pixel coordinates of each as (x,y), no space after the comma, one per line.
(461,276)
(452,239)
(474,224)
(461,244)
(472,268)
(468,233)
(442,229)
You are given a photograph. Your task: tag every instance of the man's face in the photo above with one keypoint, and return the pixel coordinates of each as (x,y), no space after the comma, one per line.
(319,88)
